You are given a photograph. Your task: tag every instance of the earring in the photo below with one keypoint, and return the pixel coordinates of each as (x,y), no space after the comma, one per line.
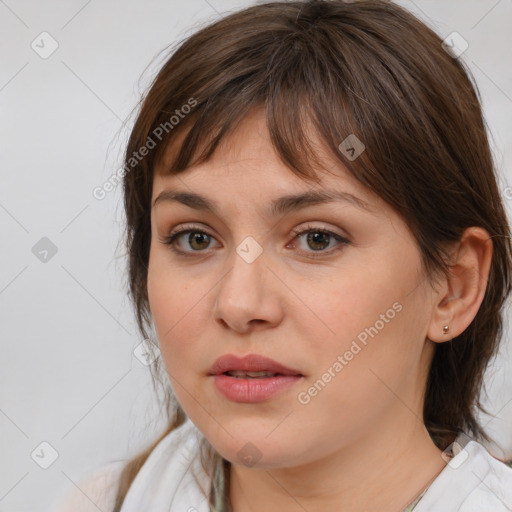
(445,329)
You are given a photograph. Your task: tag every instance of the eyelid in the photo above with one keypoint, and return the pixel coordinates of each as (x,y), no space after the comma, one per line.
(302,230)
(187,227)
(299,232)
(180,231)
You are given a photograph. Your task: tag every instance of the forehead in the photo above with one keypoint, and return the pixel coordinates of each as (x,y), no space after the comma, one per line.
(245,140)
(246,161)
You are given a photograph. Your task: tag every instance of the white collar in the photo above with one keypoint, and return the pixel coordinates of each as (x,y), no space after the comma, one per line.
(472,481)
(165,482)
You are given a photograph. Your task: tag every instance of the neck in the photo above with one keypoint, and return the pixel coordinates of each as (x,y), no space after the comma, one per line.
(384,470)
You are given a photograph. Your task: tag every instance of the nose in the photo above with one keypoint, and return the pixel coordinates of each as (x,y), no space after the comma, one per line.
(248,296)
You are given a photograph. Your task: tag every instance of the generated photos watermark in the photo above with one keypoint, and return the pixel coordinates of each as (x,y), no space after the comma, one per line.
(100,192)
(305,397)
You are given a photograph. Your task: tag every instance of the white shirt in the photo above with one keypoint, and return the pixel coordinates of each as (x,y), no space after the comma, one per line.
(473,481)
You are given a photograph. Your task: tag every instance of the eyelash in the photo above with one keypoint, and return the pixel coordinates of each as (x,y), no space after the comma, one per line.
(169,240)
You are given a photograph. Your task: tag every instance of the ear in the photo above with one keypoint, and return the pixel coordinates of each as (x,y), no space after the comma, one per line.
(461,293)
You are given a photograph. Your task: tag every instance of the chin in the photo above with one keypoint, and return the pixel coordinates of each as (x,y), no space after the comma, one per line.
(256,451)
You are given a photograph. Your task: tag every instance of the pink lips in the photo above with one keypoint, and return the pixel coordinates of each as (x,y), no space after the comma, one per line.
(249,363)
(251,390)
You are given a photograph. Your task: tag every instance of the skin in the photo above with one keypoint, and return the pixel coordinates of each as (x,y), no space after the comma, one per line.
(360,443)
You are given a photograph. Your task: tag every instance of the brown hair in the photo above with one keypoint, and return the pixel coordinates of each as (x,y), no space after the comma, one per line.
(368,68)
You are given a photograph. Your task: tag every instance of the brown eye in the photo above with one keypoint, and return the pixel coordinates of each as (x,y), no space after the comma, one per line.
(199,238)
(196,242)
(318,239)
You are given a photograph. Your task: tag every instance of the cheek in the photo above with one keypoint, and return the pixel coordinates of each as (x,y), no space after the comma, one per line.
(178,311)
(369,317)
(348,306)
(179,318)
(366,353)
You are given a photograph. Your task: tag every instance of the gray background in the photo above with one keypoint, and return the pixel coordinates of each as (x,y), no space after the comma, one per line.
(68,375)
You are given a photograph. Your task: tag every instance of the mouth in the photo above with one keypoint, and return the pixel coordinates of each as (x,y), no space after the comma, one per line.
(253,378)
(238,374)
(253,387)
(251,366)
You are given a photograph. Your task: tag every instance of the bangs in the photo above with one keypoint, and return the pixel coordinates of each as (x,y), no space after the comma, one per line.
(306,113)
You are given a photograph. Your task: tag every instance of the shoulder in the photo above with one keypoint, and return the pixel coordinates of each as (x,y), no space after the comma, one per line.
(166,473)
(493,490)
(97,490)
(172,473)
(472,481)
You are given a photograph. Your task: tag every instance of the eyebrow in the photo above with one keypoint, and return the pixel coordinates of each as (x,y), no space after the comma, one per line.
(278,206)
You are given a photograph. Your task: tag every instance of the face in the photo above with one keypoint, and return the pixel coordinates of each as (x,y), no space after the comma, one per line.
(332,290)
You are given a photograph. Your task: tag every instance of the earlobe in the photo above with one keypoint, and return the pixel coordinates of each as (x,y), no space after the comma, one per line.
(463,290)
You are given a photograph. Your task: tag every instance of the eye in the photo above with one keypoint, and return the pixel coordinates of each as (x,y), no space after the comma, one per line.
(318,239)
(197,238)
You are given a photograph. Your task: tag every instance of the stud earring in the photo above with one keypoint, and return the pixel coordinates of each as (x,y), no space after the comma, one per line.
(445,329)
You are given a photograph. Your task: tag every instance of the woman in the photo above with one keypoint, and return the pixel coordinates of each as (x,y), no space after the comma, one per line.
(318,247)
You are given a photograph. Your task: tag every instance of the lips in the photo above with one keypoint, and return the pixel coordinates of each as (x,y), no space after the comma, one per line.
(250,363)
